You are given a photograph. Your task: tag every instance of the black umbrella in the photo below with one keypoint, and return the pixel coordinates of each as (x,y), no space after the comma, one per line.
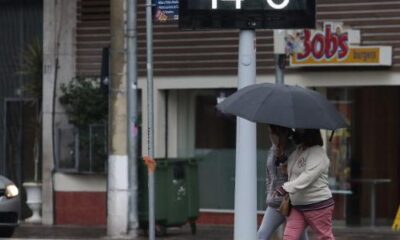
(284,105)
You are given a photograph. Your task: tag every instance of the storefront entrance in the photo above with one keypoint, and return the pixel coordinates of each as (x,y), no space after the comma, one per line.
(365,153)
(375,154)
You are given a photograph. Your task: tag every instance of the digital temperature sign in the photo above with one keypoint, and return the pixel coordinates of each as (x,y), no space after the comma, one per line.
(242,14)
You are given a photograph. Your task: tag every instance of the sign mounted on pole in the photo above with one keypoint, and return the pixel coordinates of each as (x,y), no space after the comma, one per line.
(246,14)
(165,10)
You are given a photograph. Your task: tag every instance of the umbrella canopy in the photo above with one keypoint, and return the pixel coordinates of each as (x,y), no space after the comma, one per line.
(284,105)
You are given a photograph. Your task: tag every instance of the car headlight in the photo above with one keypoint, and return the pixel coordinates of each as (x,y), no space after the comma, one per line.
(11,191)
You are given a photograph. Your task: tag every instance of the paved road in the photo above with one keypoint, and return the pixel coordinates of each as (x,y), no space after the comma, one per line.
(204,232)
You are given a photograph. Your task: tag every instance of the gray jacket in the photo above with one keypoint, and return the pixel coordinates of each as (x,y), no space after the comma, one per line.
(275,175)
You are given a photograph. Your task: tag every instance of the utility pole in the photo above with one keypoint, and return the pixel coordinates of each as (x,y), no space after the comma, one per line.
(150,115)
(246,144)
(132,120)
(280,55)
(280,62)
(117,196)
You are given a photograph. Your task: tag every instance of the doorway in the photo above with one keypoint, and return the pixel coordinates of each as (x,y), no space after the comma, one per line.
(21,130)
(370,152)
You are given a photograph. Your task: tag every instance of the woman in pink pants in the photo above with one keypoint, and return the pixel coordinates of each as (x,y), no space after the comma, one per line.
(307,186)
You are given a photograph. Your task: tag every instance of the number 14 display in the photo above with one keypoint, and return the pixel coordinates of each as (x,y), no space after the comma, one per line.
(271,3)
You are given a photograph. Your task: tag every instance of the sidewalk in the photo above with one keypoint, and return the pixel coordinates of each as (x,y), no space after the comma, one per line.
(204,232)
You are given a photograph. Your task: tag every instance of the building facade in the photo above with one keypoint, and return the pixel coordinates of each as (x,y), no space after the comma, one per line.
(21,23)
(193,68)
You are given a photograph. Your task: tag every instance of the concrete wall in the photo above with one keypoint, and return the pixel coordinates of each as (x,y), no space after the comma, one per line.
(178,113)
(59,21)
(80,199)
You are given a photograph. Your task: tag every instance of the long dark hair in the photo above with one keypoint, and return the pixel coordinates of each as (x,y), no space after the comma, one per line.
(276,129)
(310,137)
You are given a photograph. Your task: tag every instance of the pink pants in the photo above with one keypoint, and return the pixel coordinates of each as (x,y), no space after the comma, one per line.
(320,222)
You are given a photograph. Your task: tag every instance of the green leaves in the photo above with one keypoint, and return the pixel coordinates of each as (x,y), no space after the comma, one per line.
(32,69)
(84,102)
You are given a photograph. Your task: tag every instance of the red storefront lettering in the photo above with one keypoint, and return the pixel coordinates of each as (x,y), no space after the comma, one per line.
(331,42)
(325,45)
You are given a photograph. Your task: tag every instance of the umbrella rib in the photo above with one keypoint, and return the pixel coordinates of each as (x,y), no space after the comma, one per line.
(294,112)
(260,105)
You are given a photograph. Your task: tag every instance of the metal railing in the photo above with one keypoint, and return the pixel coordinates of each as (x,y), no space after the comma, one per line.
(82,150)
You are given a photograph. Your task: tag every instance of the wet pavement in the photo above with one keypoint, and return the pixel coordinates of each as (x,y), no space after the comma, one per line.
(209,232)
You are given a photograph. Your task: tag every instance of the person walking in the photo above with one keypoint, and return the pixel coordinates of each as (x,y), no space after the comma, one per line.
(307,186)
(276,175)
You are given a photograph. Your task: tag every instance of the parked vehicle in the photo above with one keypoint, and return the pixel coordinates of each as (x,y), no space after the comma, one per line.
(9,207)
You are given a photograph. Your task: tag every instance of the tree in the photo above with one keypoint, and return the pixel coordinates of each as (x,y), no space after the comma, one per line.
(84,102)
(32,86)
(87,106)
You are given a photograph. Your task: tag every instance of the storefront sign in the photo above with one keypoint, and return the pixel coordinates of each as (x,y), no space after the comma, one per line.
(336,46)
(166,10)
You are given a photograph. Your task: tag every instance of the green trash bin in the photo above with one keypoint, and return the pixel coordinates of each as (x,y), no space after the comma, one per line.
(176,194)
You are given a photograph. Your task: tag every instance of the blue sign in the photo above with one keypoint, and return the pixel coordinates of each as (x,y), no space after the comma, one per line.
(166,10)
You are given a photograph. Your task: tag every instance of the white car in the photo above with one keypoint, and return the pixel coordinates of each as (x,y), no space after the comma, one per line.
(10,204)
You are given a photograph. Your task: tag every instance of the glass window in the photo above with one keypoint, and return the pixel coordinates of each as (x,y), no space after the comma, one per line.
(216,148)
(82,150)
(339,147)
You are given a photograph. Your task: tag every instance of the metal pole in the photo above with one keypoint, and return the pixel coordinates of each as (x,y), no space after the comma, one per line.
(280,57)
(90,147)
(118,179)
(149,46)
(280,61)
(132,117)
(373,204)
(245,226)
